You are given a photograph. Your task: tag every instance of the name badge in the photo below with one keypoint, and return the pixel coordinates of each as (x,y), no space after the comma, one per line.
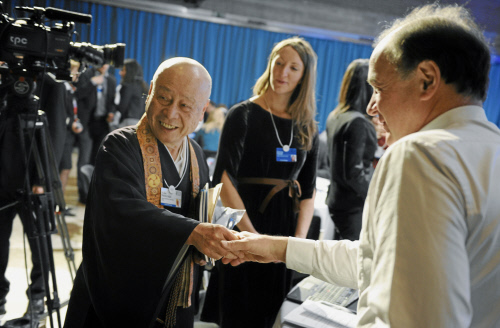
(171,199)
(286,156)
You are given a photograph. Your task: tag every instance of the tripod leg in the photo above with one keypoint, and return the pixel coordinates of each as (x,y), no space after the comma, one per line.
(39,209)
(61,205)
(47,212)
(65,239)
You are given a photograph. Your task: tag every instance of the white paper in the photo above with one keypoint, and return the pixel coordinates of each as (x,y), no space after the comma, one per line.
(226,216)
(319,315)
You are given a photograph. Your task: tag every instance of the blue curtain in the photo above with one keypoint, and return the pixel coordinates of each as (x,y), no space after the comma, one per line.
(234,56)
(492,103)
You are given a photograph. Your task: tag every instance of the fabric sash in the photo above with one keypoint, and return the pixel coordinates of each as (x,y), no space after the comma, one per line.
(294,190)
(182,288)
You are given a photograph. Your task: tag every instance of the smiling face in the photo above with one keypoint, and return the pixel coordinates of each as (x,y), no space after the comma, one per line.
(176,103)
(394,100)
(287,70)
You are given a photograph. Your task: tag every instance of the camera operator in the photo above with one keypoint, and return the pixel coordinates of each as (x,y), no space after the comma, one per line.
(13,169)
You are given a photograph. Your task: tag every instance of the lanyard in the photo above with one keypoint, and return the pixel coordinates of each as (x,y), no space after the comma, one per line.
(286,148)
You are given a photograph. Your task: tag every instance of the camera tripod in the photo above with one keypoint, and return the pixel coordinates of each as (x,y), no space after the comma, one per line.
(42,213)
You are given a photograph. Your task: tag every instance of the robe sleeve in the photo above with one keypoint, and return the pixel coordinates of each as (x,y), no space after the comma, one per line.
(129,244)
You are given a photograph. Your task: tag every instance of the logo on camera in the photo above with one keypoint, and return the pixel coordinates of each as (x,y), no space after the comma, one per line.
(18,41)
(21,87)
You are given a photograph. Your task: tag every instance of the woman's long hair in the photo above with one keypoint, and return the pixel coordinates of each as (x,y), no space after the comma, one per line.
(134,74)
(355,92)
(302,104)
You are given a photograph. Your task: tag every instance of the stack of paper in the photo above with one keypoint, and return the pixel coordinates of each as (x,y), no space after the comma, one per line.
(313,314)
(208,201)
(213,197)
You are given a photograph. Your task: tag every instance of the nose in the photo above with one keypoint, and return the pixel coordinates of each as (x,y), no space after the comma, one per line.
(371,109)
(283,71)
(170,111)
(286,70)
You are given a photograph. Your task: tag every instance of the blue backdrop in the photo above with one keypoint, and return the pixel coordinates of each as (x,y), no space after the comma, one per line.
(234,56)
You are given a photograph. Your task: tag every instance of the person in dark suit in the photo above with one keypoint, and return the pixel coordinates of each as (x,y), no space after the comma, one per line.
(96,94)
(95,99)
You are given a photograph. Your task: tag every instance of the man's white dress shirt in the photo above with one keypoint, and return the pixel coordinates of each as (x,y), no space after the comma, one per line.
(429,250)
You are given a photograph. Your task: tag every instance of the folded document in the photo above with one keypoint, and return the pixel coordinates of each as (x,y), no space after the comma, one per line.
(311,314)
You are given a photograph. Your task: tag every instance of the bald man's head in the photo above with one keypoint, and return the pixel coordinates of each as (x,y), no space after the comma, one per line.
(178,98)
(187,66)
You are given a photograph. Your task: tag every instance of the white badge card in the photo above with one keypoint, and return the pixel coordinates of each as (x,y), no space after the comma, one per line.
(289,155)
(171,199)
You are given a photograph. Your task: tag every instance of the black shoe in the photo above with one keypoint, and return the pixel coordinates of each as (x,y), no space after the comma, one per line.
(67,212)
(2,309)
(36,306)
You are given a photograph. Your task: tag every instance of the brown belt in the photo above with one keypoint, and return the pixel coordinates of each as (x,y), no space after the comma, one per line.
(294,190)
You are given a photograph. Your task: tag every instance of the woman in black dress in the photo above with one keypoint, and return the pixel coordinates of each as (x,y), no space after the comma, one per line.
(267,163)
(352,142)
(131,104)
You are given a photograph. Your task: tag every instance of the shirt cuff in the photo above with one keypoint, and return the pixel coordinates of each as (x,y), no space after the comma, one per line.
(300,254)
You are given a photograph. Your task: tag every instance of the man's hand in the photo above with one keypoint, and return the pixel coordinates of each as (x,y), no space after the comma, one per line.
(256,248)
(98,79)
(38,190)
(110,117)
(207,237)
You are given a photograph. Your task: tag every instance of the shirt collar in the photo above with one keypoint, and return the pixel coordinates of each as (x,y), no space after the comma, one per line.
(457,114)
(181,160)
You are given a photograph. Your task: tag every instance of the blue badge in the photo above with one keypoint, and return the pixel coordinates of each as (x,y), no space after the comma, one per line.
(286,156)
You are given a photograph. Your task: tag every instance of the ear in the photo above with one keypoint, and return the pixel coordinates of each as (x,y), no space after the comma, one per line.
(429,79)
(150,91)
(150,88)
(204,110)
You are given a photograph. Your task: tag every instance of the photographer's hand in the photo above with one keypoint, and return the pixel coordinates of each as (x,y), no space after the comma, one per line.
(37,189)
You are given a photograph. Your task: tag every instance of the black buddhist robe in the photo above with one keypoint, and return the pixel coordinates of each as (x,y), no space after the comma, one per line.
(129,245)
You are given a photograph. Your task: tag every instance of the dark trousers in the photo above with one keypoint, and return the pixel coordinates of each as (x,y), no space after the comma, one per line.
(12,175)
(348,223)
(98,129)
(36,287)
(84,144)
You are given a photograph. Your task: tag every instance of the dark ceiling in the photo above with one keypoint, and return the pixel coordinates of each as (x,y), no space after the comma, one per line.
(362,17)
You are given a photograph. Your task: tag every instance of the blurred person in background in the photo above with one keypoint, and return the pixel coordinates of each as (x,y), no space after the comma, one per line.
(73,126)
(96,95)
(352,143)
(209,134)
(132,90)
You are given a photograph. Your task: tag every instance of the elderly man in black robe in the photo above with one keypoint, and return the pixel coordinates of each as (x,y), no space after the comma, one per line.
(142,213)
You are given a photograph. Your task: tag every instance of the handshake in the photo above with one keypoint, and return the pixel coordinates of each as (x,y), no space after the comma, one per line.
(232,247)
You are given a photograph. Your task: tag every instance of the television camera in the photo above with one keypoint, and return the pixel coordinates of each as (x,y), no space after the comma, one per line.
(29,48)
